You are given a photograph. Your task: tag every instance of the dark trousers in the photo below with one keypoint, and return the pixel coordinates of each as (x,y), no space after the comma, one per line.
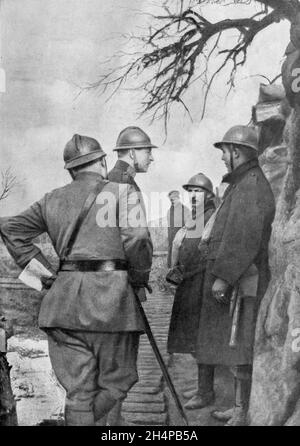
(242,372)
(96,370)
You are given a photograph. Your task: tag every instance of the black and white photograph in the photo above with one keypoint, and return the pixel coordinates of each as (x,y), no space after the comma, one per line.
(149,215)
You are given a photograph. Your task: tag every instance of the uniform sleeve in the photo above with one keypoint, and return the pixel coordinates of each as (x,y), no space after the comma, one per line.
(19,232)
(241,239)
(135,235)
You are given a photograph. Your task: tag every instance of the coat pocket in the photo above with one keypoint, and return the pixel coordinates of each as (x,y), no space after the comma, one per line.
(249,282)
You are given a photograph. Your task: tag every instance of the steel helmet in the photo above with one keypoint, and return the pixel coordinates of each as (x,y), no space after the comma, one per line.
(240,135)
(200,180)
(174,193)
(81,150)
(133,138)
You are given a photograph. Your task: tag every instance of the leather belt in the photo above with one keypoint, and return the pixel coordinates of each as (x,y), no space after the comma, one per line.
(93,265)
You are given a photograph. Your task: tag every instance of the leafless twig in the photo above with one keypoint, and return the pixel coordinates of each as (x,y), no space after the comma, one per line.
(8,183)
(180,43)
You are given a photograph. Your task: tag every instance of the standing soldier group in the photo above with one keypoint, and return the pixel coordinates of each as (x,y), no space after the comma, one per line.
(219,263)
(89,313)
(232,260)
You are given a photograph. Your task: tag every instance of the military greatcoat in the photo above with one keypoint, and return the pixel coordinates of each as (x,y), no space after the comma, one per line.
(188,297)
(238,243)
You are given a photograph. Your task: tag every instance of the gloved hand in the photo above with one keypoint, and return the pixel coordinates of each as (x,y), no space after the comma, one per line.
(138,286)
(175,275)
(219,291)
(140,291)
(47,282)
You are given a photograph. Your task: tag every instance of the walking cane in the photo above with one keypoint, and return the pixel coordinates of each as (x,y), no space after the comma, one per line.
(160,359)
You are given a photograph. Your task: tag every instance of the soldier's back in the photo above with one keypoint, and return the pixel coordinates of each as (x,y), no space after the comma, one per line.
(99,237)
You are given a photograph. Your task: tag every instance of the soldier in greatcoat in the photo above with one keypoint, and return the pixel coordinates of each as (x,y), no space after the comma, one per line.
(187,272)
(89,312)
(235,246)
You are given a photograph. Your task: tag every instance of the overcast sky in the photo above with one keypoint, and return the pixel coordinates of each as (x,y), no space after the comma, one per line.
(50,47)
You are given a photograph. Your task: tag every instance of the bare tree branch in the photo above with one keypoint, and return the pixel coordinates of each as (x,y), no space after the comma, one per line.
(289,8)
(180,43)
(8,183)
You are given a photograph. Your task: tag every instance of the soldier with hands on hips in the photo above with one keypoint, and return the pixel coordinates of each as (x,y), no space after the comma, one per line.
(89,312)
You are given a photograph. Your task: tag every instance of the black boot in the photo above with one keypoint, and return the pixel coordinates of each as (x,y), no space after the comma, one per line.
(242,397)
(102,405)
(205,395)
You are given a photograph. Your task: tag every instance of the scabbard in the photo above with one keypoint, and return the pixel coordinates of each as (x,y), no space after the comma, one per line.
(235,322)
(233,300)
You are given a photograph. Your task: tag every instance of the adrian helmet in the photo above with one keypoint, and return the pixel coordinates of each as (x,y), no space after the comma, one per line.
(82,150)
(133,138)
(240,135)
(199,180)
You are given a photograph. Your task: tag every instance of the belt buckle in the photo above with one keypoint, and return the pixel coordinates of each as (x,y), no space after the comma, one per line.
(108,265)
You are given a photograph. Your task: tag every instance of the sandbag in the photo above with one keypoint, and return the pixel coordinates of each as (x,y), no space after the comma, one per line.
(271,93)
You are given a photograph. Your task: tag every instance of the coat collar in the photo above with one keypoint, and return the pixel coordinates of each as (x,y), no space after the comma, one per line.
(210,204)
(238,173)
(88,175)
(125,167)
